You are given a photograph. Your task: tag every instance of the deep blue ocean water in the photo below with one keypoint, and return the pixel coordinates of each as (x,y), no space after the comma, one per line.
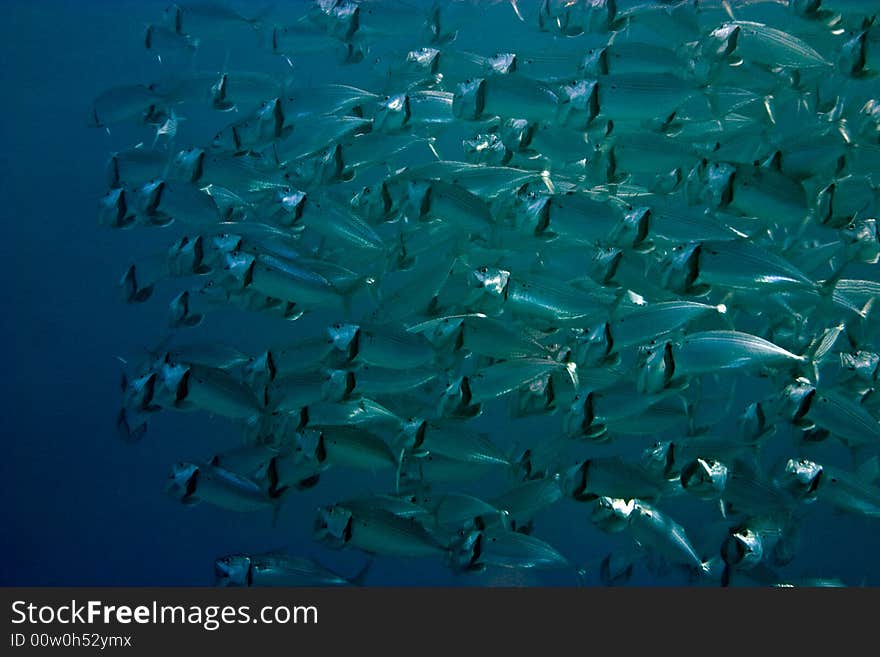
(80,507)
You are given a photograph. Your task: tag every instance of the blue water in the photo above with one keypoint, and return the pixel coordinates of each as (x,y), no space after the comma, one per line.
(79,507)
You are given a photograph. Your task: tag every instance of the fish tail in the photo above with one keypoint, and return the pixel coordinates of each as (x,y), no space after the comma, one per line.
(260,17)
(818,350)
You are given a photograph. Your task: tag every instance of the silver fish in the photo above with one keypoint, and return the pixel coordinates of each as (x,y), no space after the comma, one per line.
(279,570)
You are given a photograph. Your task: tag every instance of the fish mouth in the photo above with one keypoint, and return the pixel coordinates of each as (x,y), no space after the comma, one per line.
(703,478)
(612,515)
(225,571)
(183,489)
(154,198)
(587,422)
(539,209)
(607,264)
(503,63)
(123,219)
(683,269)
(803,400)
(218,92)
(595,62)
(805,475)
(742,548)
(469,100)
(579,492)
(517,134)
(320,526)
(329,529)
(638,221)
(420,433)
(662,454)
(294,202)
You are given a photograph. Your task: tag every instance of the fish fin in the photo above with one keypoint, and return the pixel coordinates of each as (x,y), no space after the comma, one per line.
(774,162)
(820,347)
(827,286)
(430,142)
(514,4)
(728,9)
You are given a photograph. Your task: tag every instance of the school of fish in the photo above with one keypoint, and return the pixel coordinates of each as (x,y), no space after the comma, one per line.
(614,259)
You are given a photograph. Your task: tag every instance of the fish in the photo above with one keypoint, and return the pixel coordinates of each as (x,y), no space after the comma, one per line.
(114,211)
(507,97)
(507,376)
(494,338)
(758,43)
(640,96)
(375,531)
(209,18)
(735,264)
(601,265)
(660,534)
(126,103)
(216,391)
(854,493)
(506,549)
(423,439)
(164,202)
(609,477)
(192,483)
(642,325)
(382,348)
(133,167)
(356,447)
(162,39)
(711,351)
(279,570)
(828,409)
